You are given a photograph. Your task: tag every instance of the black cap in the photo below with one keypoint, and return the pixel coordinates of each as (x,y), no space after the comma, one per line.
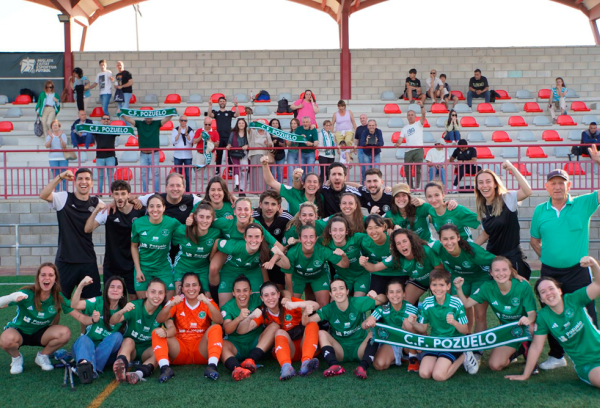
(557,173)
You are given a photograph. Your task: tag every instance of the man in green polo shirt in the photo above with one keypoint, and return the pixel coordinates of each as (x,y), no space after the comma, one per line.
(149,142)
(560,232)
(312,141)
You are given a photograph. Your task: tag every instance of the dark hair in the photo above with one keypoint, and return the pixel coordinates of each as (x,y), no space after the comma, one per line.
(374,171)
(83,170)
(338,164)
(463,142)
(102,61)
(78,71)
(241,278)
(265,309)
(236,128)
(158,280)
(412,71)
(312,93)
(327,231)
(264,252)
(306,227)
(190,230)
(192,274)
(55,291)
(355,221)
(542,279)
(477,70)
(278,121)
(337,279)
(450,117)
(221,97)
(443,75)
(341,102)
(157,196)
(593,124)
(410,210)
(379,221)
(463,245)
(119,185)
(440,274)
(223,183)
(272,194)
(435,184)
(563,81)
(121,303)
(394,281)
(416,246)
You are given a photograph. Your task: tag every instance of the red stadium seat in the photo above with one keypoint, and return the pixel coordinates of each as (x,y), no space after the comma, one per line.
(6,127)
(485,108)
(22,100)
(544,93)
(426,124)
(97,112)
(427,149)
(484,153)
(439,108)
(133,99)
(213,124)
(117,123)
(522,169)
(536,152)
(460,95)
(173,98)
(314,96)
(468,121)
(214,98)
(264,121)
(83,145)
(242,110)
(551,136)
(192,111)
(532,107)
(403,174)
(574,169)
(391,108)
(123,173)
(565,120)
(579,106)
(516,121)
(132,141)
(500,136)
(167,126)
(161,156)
(94,161)
(146,108)
(503,94)
(395,137)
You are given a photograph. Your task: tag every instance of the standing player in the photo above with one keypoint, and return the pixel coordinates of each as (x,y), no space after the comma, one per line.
(223,118)
(117,253)
(75,257)
(188,337)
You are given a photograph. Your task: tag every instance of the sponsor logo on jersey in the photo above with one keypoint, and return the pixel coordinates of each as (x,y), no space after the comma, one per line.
(346,325)
(569,313)
(99,330)
(155,239)
(165,232)
(182,207)
(507,308)
(202,314)
(27,319)
(41,315)
(146,328)
(193,325)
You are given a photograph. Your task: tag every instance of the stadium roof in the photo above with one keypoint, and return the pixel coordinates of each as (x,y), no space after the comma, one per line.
(85,12)
(334,7)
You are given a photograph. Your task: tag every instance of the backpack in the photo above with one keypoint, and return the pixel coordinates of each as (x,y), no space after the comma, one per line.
(493,96)
(262,96)
(283,106)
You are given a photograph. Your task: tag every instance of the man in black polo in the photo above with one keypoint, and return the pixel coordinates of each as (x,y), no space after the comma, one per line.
(75,257)
(117,251)
(273,220)
(373,196)
(332,194)
(223,118)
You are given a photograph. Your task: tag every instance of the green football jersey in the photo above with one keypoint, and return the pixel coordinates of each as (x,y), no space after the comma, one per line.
(352,250)
(472,268)
(155,242)
(294,197)
(315,265)
(376,253)
(231,311)
(29,320)
(140,324)
(462,217)
(346,325)
(435,314)
(98,331)
(420,225)
(293,233)
(416,271)
(508,308)
(229,230)
(573,328)
(193,257)
(386,314)
(239,261)
(225,211)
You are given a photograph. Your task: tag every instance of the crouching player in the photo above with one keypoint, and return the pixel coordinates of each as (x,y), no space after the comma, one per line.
(446,315)
(188,337)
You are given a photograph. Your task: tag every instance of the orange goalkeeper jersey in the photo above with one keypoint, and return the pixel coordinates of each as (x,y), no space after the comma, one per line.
(291,318)
(191,323)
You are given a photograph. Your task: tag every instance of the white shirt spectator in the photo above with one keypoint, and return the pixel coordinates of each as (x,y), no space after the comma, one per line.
(104,83)
(435,156)
(413,135)
(437,82)
(182,144)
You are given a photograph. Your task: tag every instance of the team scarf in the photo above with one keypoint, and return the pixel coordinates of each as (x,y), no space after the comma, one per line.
(145,114)
(104,129)
(488,339)
(290,137)
(207,154)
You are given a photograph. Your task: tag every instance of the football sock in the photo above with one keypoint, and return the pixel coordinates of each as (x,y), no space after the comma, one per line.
(215,343)
(329,356)
(282,350)
(311,341)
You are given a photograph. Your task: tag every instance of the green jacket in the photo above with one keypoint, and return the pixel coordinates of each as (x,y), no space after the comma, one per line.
(41,103)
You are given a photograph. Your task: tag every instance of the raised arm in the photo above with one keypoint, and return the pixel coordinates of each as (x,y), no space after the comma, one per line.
(593,289)
(128,120)
(268,176)
(47,192)
(467,302)
(165,120)
(76,302)
(423,112)
(524,187)
(248,324)
(91,224)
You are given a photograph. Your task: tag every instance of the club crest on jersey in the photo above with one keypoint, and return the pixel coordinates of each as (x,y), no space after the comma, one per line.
(569,313)
(51,309)
(91,209)
(382,333)
(202,314)
(515,301)
(165,232)
(386,208)
(351,249)
(287,317)
(466,264)
(210,242)
(277,231)
(182,207)
(449,222)
(317,263)
(352,316)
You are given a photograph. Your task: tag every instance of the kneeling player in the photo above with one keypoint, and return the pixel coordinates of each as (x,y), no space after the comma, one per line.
(189,337)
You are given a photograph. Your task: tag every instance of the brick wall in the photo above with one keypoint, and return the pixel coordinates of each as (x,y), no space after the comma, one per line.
(373,71)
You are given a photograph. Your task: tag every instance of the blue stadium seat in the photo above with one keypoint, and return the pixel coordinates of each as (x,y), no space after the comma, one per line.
(164,140)
(475,137)
(3,99)
(526,136)
(523,94)
(129,157)
(492,121)
(462,108)
(509,107)
(285,95)
(510,152)
(388,96)
(322,109)
(15,112)
(571,93)
(441,122)
(575,135)
(195,98)
(428,137)
(587,119)
(540,120)
(395,123)
(241,97)
(264,111)
(562,151)
(118,141)
(151,98)
(414,107)
(285,123)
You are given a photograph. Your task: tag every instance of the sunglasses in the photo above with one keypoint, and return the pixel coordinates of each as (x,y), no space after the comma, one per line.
(433,72)
(105,118)
(453,116)
(183,120)
(49,87)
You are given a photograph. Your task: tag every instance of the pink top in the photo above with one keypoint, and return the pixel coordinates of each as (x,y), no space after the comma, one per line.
(343,123)
(306,110)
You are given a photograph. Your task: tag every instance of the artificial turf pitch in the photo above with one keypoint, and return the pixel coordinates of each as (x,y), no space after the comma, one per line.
(393,387)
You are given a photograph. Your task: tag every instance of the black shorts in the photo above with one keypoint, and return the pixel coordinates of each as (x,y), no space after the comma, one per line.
(276,276)
(379,283)
(33,340)
(128,277)
(418,285)
(443,354)
(296,333)
(73,273)
(415,94)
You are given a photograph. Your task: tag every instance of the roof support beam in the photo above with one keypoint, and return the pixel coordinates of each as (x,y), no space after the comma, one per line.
(112,7)
(317,6)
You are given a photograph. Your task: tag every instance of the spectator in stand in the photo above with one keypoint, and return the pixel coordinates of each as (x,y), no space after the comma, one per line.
(277,171)
(557,100)
(412,88)
(81,87)
(312,140)
(453,128)
(214,137)
(292,154)
(48,106)
(78,138)
(104,81)
(590,136)
(307,106)
(239,138)
(223,118)
(413,134)
(56,140)
(182,137)
(149,143)
(105,159)
(465,154)
(326,154)
(435,161)
(344,124)
(478,88)
(364,120)
(435,86)
(447,93)
(125,84)
(345,154)
(368,140)
(257,138)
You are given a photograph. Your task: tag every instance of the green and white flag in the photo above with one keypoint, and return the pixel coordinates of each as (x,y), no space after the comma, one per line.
(144,114)
(207,154)
(488,339)
(290,137)
(104,129)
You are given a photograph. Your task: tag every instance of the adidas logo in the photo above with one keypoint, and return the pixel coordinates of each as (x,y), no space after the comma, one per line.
(117,220)
(144,233)
(495,303)
(239,259)
(298,266)
(337,321)
(325,354)
(188,245)
(30,308)
(139,321)
(554,326)
(325,284)
(182,314)
(156,348)
(362,286)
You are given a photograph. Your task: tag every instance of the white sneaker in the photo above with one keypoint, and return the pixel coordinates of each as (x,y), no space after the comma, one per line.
(477,357)
(16,366)
(44,361)
(470,364)
(552,362)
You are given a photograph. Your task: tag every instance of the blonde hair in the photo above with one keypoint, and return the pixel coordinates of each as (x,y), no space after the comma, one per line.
(295,222)
(497,202)
(56,121)
(499,258)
